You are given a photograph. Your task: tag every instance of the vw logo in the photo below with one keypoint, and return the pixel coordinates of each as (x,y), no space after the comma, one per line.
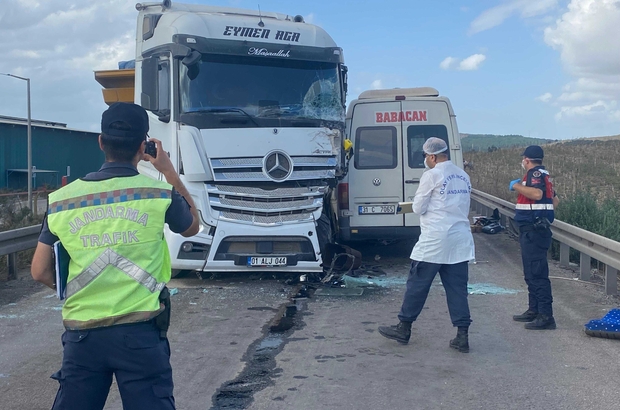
(277,165)
(376,182)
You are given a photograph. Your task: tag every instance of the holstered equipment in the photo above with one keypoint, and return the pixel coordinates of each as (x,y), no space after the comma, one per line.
(162,321)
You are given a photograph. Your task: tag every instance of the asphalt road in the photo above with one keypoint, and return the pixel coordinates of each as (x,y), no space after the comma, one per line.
(224,355)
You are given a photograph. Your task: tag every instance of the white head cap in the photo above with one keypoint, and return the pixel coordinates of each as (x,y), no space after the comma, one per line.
(434,146)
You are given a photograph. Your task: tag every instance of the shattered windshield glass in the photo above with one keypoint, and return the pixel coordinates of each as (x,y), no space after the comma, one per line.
(257,89)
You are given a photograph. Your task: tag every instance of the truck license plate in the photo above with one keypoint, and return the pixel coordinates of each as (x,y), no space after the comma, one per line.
(266,261)
(377,209)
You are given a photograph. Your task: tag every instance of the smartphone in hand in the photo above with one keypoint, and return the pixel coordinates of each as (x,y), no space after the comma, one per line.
(151,149)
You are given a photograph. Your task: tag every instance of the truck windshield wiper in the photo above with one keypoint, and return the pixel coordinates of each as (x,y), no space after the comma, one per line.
(279,111)
(225,110)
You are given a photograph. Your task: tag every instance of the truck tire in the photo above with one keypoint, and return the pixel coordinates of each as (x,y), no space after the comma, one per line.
(324,232)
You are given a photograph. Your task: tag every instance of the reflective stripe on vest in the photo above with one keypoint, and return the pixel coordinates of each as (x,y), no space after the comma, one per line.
(534,207)
(106,198)
(107,258)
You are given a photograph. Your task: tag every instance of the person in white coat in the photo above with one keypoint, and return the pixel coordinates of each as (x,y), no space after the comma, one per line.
(445,245)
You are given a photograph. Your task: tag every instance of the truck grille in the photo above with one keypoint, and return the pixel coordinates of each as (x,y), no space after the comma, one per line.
(267,219)
(265,206)
(251,169)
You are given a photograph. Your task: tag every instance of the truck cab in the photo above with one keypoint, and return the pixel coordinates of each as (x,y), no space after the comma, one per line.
(251,107)
(387,129)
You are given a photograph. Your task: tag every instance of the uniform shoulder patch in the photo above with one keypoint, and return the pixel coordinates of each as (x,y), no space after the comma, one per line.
(536,174)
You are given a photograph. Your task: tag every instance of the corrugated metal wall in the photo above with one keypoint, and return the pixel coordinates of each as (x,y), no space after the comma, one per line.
(53,149)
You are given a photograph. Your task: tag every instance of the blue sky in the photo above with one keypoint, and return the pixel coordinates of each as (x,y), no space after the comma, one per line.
(540,68)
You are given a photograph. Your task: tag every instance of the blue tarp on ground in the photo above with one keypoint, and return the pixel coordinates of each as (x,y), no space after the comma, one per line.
(608,326)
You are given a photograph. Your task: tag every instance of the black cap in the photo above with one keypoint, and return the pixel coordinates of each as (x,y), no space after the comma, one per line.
(132,115)
(533,152)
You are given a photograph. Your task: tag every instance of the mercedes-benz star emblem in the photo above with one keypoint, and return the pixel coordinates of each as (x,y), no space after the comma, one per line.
(277,165)
(376,182)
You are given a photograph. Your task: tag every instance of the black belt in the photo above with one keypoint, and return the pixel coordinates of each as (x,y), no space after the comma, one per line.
(541,224)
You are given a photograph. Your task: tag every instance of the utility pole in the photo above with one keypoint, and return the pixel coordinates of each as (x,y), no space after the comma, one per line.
(29,139)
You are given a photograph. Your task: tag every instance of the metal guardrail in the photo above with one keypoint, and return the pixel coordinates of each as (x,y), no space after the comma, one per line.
(15,241)
(590,245)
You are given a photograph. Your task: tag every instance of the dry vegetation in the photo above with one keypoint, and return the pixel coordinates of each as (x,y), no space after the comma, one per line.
(585,173)
(585,165)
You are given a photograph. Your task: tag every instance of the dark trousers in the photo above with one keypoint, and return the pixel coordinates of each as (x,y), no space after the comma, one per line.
(134,354)
(454,278)
(535,244)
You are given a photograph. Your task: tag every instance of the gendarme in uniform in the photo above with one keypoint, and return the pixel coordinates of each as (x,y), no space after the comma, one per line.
(111,224)
(534,215)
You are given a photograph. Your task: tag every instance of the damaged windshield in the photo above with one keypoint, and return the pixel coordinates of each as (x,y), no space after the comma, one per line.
(261,92)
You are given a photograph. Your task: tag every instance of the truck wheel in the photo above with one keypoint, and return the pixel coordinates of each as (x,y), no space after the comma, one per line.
(324,232)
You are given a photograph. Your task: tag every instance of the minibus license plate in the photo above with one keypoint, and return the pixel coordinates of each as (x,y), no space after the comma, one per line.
(377,209)
(266,261)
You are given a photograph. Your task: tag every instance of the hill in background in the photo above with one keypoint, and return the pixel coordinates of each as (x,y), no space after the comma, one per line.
(490,142)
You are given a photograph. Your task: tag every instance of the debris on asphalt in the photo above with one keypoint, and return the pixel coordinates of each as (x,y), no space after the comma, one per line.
(339,292)
(283,320)
(373,282)
(173,291)
(303,292)
(488,289)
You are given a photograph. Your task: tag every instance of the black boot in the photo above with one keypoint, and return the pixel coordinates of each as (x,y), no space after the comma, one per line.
(527,316)
(542,322)
(461,341)
(400,332)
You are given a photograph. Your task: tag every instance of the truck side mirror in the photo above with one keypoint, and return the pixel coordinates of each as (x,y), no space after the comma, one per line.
(149,99)
(192,62)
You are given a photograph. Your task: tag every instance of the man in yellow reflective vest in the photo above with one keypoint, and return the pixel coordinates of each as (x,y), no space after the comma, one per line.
(111,223)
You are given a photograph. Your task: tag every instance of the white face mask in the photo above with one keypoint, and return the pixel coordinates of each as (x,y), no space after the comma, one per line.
(523,164)
(426,164)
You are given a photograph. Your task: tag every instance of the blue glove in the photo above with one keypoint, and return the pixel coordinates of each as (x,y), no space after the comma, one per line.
(512,184)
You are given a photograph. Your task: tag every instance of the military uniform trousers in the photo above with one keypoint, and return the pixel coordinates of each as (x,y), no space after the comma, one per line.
(535,244)
(134,353)
(454,278)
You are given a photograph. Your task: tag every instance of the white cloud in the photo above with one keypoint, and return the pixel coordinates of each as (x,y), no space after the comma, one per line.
(58,44)
(376,85)
(586,37)
(546,97)
(472,62)
(310,18)
(448,63)
(495,16)
(599,109)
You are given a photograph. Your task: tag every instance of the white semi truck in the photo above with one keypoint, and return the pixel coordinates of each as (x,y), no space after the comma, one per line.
(251,107)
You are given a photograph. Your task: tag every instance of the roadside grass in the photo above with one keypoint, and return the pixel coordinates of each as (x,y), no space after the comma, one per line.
(14,215)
